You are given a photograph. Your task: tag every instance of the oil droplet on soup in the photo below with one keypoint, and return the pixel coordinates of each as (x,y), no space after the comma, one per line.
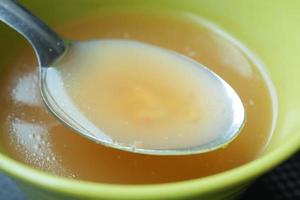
(31,135)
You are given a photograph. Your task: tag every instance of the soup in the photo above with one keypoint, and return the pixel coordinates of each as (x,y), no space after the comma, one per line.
(33,136)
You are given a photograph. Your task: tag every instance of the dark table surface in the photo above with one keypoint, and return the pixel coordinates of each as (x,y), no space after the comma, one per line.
(282,183)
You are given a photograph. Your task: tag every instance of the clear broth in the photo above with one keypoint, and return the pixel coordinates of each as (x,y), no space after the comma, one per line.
(33,136)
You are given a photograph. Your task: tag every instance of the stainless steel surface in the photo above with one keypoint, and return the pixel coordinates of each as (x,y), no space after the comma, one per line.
(47,44)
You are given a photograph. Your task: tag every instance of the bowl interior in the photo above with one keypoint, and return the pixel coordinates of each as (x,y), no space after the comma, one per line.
(269,29)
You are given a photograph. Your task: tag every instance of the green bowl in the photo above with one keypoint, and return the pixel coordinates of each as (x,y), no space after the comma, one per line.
(269,28)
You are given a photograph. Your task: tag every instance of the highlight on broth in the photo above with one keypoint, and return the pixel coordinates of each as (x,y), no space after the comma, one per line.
(33,136)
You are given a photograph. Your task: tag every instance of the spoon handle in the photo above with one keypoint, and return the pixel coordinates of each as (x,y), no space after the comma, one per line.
(48,45)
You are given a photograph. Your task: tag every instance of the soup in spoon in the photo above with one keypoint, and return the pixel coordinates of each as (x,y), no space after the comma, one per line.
(141,96)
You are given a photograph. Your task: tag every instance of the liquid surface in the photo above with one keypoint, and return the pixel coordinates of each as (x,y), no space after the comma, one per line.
(142,97)
(31,135)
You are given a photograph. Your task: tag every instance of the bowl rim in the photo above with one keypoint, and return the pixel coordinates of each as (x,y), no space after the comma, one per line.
(79,188)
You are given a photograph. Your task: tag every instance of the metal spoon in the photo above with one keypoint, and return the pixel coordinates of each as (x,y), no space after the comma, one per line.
(50,48)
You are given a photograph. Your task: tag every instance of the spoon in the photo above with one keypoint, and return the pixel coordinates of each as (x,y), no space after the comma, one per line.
(51,50)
